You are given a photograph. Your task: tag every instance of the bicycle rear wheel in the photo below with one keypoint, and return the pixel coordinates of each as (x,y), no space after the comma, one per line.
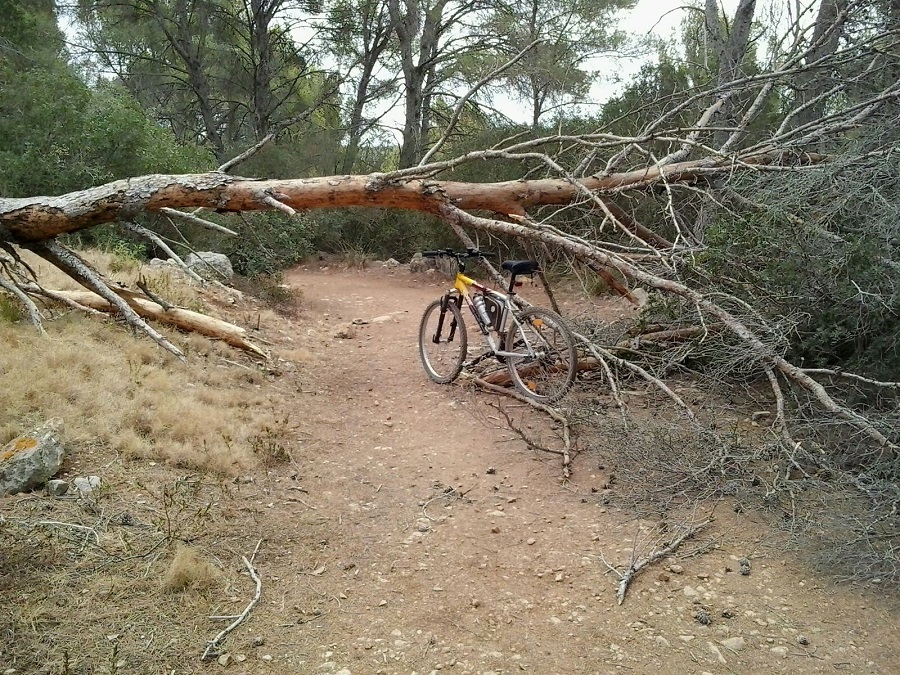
(442,341)
(548,374)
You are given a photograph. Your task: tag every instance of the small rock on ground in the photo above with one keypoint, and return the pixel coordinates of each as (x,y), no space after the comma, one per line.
(29,461)
(86,484)
(57,488)
(735,644)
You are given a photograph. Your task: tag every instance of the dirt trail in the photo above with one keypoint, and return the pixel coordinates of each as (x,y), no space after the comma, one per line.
(371,565)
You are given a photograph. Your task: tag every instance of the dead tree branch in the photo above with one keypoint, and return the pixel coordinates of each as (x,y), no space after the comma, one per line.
(636,565)
(215,643)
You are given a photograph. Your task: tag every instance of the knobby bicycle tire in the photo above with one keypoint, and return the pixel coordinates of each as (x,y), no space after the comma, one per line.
(442,366)
(548,378)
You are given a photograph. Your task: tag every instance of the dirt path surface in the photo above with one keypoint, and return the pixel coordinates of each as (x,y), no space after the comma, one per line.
(414,536)
(399,528)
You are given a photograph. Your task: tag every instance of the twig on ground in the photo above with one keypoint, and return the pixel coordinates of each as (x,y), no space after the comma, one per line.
(565,452)
(85,528)
(210,651)
(626,577)
(447,493)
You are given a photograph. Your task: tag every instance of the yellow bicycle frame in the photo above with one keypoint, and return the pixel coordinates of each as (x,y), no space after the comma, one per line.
(463,283)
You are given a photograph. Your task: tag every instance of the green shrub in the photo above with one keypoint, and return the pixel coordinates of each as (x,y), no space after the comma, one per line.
(822,263)
(10,309)
(267,242)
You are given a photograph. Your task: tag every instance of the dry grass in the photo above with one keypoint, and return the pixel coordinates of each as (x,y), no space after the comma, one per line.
(122,594)
(115,392)
(189,571)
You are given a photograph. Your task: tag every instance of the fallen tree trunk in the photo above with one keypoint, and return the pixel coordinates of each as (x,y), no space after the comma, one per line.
(184,319)
(37,218)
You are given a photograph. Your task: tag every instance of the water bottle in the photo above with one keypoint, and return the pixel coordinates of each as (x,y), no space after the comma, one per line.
(482,310)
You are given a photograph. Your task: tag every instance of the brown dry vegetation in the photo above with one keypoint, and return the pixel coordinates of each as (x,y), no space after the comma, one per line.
(119,393)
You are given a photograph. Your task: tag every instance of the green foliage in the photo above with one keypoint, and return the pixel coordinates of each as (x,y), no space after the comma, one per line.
(552,74)
(829,270)
(218,73)
(57,134)
(10,309)
(268,242)
(379,233)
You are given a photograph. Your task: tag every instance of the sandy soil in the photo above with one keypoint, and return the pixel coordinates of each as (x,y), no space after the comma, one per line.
(509,577)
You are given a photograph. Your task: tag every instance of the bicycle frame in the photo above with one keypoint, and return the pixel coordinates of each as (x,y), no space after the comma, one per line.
(461,287)
(542,357)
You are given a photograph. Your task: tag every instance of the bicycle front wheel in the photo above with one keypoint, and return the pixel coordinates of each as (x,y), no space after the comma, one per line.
(442,341)
(546,359)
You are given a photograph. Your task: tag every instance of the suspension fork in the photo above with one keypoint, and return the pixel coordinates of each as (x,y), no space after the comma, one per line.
(445,303)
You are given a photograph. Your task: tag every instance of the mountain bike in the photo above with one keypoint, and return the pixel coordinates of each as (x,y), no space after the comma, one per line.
(535,344)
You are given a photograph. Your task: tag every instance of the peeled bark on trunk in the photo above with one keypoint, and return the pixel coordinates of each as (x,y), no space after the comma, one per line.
(38,218)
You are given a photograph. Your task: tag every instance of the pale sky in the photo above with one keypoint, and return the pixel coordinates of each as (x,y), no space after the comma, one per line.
(659,17)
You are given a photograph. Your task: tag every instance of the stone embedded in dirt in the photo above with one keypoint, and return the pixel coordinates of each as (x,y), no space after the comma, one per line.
(32,459)
(391,263)
(495,530)
(224,660)
(676,569)
(735,644)
(422,525)
(715,651)
(745,566)
(690,592)
(803,640)
(779,651)
(86,484)
(348,332)
(57,488)
(531,541)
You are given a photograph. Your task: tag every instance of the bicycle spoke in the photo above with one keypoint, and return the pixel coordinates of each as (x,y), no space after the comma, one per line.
(546,358)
